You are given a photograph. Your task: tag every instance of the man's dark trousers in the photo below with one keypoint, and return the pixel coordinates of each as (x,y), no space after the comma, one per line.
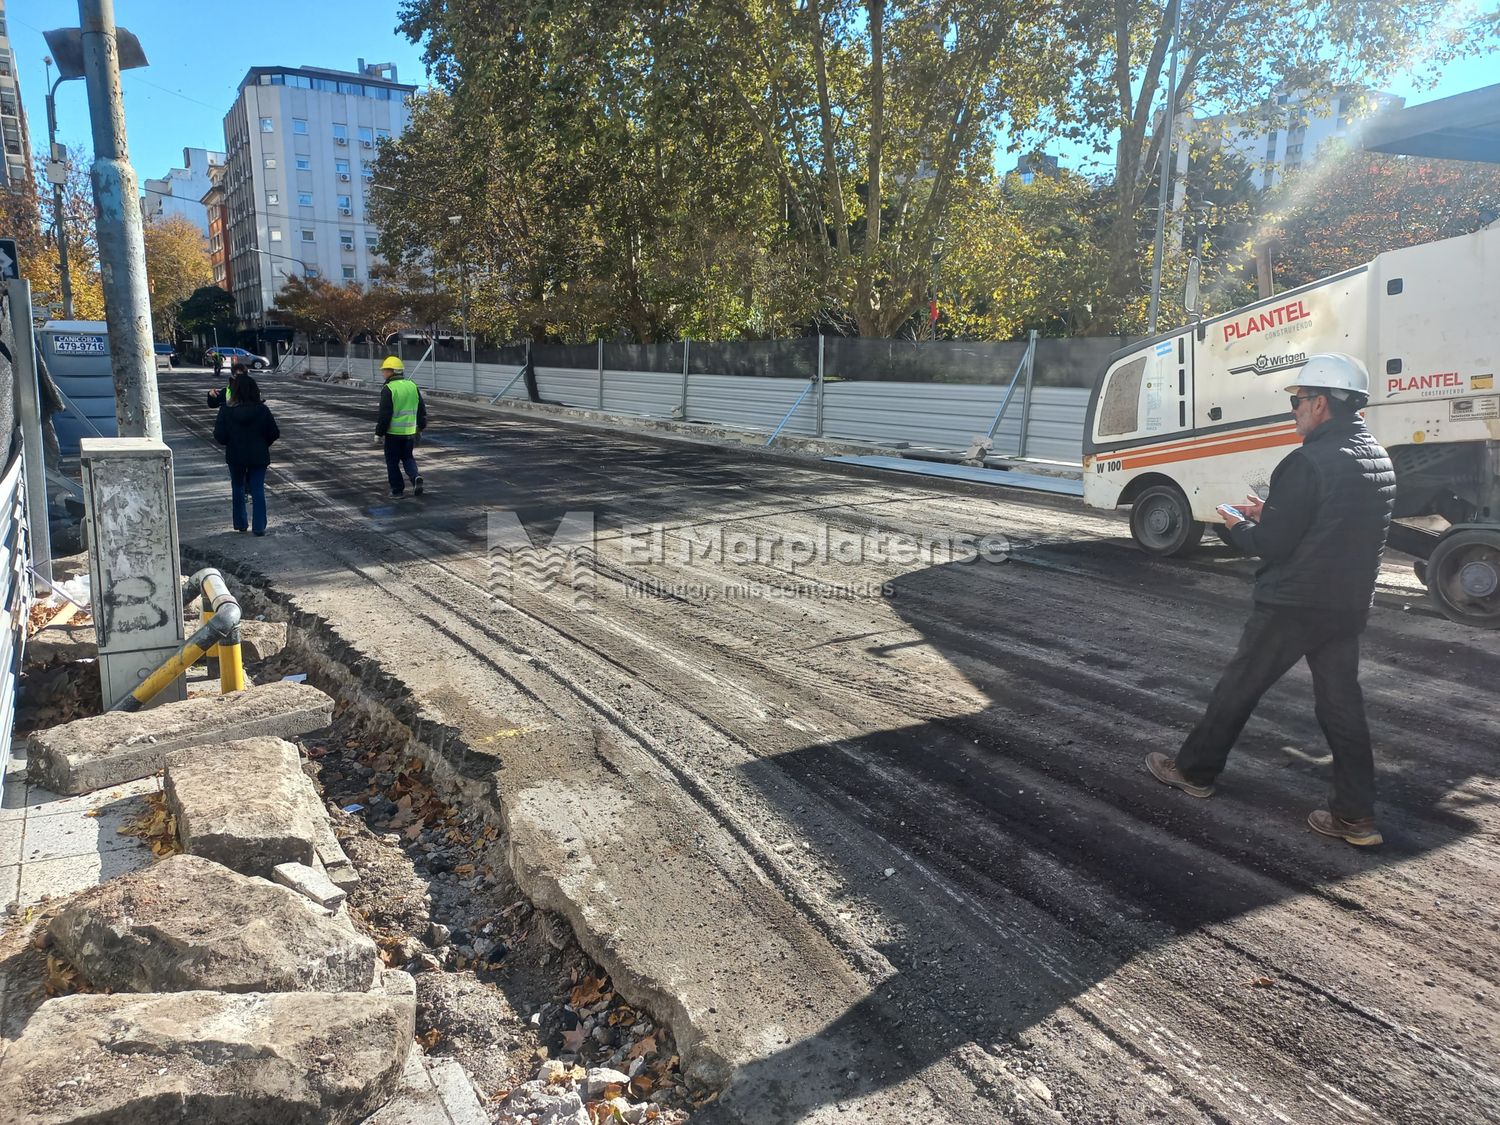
(1275,638)
(398,456)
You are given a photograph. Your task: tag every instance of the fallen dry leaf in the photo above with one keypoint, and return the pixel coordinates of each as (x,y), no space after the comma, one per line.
(156,826)
(1262,982)
(589,991)
(573,1040)
(431,1039)
(645,1047)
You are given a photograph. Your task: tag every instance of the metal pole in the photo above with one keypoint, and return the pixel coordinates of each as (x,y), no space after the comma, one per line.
(1165,164)
(59,228)
(1026,393)
(818,426)
(473,344)
(122,250)
(787,417)
(601,374)
(686,345)
(1005,403)
(29,409)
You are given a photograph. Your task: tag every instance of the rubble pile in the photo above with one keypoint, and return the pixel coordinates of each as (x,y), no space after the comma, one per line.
(500,985)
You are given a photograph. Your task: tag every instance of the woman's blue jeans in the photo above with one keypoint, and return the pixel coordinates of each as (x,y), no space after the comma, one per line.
(253,482)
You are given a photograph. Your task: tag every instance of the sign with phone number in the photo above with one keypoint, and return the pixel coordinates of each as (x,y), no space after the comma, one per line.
(80,345)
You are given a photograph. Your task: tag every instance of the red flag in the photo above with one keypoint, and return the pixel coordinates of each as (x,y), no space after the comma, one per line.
(932,311)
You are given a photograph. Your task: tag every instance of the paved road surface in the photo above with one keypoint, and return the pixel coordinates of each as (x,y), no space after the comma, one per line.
(893,852)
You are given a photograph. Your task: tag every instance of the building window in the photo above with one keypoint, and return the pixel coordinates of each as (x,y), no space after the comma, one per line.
(308,235)
(341,167)
(348,273)
(273,198)
(271,163)
(366,171)
(340,133)
(366,136)
(382,134)
(346,239)
(267,125)
(275,235)
(346,204)
(299,126)
(304,199)
(304,164)
(371,240)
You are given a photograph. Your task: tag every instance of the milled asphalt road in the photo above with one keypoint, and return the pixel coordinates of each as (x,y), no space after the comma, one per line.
(893,857)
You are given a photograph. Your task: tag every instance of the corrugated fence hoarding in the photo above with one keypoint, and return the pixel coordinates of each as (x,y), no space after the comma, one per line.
(17,587)
(932,395)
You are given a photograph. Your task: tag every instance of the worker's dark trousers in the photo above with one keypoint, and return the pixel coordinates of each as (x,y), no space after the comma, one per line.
(398,456)
(1275,639)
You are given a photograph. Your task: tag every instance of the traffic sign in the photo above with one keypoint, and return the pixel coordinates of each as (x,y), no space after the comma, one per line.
(10,261)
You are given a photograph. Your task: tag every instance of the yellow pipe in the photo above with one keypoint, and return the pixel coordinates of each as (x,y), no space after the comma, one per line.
(231,669)
(183,659)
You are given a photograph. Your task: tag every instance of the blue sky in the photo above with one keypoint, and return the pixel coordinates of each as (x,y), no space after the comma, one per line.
(199,52)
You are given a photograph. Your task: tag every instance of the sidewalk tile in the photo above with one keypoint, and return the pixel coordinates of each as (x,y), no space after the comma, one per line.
(10,842)
(55,878)
(10,880)
(55,835)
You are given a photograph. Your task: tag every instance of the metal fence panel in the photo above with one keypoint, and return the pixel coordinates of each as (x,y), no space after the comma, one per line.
(941,416)
(16,594)
(571,386)
(750,403)
(653,393)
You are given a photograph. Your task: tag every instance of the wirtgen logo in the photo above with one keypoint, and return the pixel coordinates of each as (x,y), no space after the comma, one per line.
(521,566)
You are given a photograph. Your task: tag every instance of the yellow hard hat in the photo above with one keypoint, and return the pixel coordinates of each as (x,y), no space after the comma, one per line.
(392,363)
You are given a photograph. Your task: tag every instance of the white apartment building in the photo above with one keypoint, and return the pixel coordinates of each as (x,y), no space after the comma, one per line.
(301,144)
(181,190)
(15,168)
(1301,130)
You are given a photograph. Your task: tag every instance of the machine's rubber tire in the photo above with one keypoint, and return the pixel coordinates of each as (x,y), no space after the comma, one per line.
(259,365)
(1463,577)
(1162,523)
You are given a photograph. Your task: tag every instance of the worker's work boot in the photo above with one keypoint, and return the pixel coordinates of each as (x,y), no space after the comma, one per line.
(1361,833)
(417,486)
(1164,769)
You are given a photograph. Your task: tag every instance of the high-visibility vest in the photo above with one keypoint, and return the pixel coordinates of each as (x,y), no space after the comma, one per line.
(229,392)
(404,399)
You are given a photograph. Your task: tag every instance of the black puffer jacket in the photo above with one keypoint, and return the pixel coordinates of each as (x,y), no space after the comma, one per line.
(1324,526)
(246,430)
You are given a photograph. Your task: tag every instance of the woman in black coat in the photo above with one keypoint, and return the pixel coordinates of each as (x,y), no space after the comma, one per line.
(246,430)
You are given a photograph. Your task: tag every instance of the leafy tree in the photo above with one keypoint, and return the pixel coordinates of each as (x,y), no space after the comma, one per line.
(26,210)
(207,308)
(177,265)
(1234,56)
(319,308)
(1355,205)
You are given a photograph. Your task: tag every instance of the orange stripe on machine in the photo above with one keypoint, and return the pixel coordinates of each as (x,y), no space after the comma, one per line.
(1214,446)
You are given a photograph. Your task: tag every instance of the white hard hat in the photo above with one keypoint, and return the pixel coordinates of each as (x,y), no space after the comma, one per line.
(1333,371)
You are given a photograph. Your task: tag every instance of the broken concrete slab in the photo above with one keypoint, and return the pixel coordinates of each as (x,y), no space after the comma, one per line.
(188,923)
(305,1058)
(433,1092)
(311,883)
(62,644)
(245,804)
(89,754)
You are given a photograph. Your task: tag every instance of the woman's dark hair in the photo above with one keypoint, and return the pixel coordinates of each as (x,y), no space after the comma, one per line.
(246,390)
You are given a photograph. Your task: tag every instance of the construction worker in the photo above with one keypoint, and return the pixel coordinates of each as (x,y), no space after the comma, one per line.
(403,415)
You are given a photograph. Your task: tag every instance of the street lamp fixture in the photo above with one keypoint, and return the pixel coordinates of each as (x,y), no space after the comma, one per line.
(66,45)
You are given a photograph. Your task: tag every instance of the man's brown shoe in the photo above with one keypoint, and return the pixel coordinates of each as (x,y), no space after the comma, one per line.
(1164,769)
(1361,833)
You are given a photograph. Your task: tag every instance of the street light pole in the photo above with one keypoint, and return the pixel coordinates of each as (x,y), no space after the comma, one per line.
(56,172)
(122,248)
(1165,165)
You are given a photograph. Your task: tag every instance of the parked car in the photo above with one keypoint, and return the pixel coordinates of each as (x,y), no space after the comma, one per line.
(164,354)
(238,355)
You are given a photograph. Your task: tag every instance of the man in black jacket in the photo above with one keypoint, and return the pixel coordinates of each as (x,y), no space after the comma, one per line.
(1320,532)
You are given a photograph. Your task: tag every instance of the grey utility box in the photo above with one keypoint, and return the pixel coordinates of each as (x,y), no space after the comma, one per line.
(133,561)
